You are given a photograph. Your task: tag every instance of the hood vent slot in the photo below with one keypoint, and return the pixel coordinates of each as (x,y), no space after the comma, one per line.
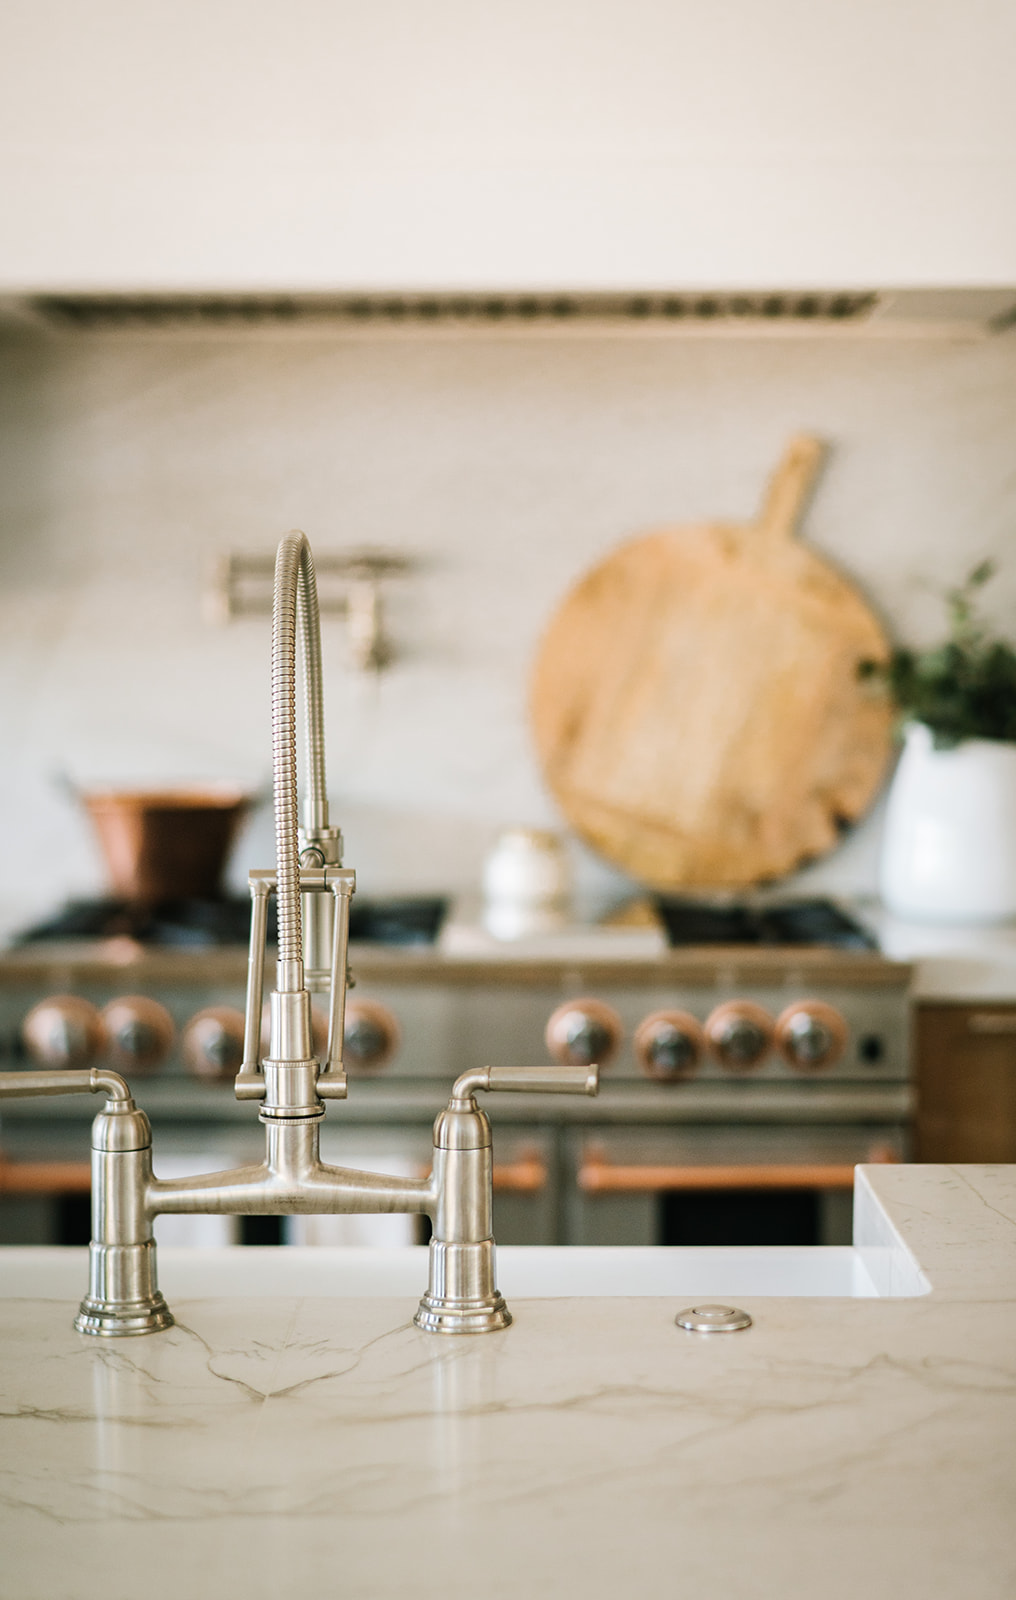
(757,313)
(233,312)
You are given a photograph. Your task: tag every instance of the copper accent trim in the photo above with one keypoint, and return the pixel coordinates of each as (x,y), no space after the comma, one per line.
(527,1175)
(45,1177)
(827,1017)
(64,1030)
(140,1032)
(600,1014)
(732,1011)
(645,1037)
(597,1175)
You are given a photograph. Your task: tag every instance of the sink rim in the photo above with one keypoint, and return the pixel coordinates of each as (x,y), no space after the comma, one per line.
(524,1272)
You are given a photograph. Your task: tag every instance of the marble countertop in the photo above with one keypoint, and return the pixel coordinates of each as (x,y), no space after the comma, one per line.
(307,1446)
(952,961)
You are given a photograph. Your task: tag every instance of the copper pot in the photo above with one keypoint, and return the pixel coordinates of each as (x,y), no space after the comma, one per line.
(166,844)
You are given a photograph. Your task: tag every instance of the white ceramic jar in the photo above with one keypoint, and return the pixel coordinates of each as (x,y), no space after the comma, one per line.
(526,884)
(949,847)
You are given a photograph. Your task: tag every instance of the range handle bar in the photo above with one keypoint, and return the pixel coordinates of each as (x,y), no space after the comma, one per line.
(597,1175)
(44,1177)
(527,1175)
(1000,1023)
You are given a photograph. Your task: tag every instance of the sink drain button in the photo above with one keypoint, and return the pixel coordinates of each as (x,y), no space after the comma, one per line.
(713,1319)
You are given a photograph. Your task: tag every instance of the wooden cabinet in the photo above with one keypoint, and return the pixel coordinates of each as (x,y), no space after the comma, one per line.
(966,1082)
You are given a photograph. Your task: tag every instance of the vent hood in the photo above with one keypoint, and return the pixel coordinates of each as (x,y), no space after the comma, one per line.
(907,314)
(683,168)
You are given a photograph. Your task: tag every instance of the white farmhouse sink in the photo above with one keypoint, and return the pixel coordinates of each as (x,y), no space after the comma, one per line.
(523,1272)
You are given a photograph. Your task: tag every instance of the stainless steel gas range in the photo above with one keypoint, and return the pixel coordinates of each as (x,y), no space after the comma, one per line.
(740,1083)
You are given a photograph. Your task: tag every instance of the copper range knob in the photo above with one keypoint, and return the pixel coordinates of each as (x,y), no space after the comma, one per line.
(811,1035)
(582,1032)
(669,1045)
(370,1038)
(213,1043)
(740,1033)
(64,1031)
(140,1033)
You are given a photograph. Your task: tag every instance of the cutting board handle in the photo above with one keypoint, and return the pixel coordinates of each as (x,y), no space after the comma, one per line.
(789,488)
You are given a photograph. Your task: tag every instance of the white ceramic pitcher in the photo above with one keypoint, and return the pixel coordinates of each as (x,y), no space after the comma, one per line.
(949,847)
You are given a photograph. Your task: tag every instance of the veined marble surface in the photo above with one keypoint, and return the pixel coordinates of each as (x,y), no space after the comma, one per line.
(284,1447)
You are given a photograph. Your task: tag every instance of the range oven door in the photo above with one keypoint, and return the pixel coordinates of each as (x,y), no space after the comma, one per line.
(718,1185)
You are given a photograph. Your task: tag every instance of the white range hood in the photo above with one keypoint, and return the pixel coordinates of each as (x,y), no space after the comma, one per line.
(578,147)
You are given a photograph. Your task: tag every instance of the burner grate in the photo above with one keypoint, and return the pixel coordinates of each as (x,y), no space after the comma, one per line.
(206,924)
(783,923)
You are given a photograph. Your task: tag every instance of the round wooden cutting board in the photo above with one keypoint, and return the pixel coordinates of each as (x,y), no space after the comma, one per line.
(696,702)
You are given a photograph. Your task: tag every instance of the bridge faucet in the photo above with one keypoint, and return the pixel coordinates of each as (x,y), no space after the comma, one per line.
(313,892)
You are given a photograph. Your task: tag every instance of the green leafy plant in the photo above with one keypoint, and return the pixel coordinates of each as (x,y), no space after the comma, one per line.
(964,689)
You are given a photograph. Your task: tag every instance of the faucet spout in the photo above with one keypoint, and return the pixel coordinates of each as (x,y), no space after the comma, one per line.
(312,889)
(295,609)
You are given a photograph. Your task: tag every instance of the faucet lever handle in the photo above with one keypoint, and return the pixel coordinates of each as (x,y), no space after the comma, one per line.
(546,1080)
(64,1080)
(530,1080)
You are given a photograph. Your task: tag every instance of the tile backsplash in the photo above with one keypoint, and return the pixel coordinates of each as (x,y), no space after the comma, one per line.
(504,468)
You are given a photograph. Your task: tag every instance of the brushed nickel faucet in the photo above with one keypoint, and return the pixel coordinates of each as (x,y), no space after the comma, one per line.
(313,892)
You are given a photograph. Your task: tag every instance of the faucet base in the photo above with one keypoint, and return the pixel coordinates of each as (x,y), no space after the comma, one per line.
(462,1295)
(439,1315)
(117,1319)
(123,1295)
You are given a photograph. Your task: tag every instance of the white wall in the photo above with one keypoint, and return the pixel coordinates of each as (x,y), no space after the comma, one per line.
(575,143)
(506,468)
